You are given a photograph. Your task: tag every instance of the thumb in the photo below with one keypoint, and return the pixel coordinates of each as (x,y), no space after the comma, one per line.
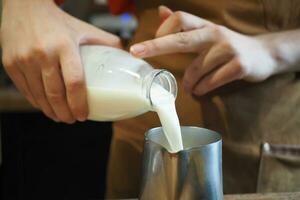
(164,12)
(93,35)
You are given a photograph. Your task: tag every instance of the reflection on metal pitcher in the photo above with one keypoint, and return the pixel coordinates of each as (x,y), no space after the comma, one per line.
(194,173)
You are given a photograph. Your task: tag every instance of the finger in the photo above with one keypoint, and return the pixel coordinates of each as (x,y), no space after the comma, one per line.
(20,82)
(73,76)
(164,12)
(55,92)
(93,35)
(192,73)
(180,21)
(217,55)
(229,72)
(190,41)
(34,79)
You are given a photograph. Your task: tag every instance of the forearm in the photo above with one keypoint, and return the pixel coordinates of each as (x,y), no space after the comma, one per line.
(12,1)
(285,48)
(12,4)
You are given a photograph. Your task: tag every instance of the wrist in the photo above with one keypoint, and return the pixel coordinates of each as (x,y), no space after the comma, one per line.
(284,47)
(273,49)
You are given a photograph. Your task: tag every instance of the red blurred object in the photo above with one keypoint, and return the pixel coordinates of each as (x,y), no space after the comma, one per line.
(59,2)
(116,6)
(120,6)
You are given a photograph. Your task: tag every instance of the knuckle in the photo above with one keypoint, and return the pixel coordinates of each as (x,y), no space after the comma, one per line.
(24,57)
(39,96)
(178,18)
(55,98)
(151,45)
(74,85)
(179,15)
(39,51)
(27,56)
(182,38)
(62,44)
(215,29)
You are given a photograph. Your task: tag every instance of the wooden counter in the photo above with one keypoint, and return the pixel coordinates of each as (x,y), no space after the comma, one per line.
(269,196)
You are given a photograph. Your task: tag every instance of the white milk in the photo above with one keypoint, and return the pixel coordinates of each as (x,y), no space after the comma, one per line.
(116,104)
(164,105)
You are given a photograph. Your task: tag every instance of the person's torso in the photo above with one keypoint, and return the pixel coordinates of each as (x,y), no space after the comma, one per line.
(247,114)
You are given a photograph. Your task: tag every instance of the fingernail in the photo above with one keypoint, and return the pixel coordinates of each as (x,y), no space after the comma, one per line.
(81,119)
(137,49)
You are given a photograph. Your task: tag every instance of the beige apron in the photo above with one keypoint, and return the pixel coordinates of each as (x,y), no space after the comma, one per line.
(258,121)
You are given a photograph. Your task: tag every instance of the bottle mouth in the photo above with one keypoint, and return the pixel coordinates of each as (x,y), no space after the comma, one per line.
(163,78)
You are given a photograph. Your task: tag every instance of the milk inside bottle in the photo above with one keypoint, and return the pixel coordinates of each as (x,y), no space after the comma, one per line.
(120,86)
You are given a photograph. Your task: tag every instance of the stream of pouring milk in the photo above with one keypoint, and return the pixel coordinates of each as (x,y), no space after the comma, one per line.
(164,105)
(111,104)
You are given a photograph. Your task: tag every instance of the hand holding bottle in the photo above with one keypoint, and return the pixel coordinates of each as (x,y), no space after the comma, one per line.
(40,46)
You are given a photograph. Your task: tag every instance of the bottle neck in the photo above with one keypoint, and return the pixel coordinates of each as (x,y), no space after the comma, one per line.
(162,78)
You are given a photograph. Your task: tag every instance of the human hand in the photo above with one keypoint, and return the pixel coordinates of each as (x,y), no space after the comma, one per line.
(222,54)
(40,46)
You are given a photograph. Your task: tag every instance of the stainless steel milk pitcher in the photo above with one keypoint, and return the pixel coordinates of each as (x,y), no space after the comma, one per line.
(194,173)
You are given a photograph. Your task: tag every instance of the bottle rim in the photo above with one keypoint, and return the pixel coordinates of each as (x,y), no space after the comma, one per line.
(166,77)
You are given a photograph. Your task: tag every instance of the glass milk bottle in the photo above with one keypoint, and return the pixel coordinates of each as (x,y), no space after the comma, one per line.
(120,86)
